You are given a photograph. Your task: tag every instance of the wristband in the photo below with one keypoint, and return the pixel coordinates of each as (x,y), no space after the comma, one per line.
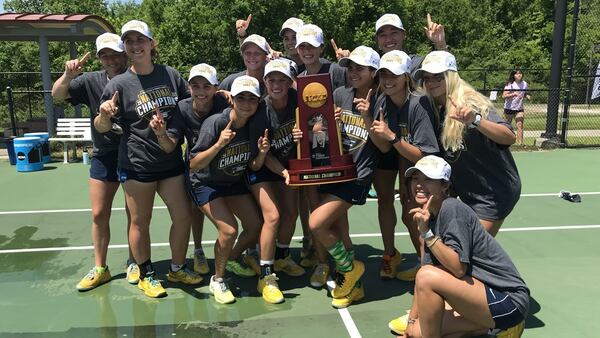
(427,235)
(430,245)
(477,121)
(395,140)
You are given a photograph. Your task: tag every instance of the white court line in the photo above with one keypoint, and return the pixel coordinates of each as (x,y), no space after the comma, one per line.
(366,235)
(53,211)
(345,314)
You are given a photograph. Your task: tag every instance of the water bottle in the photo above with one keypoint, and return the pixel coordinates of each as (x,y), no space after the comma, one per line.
(86,158)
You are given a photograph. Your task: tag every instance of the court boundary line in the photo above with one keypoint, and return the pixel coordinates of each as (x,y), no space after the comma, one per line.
(52,211)
(364,235)
(345,314)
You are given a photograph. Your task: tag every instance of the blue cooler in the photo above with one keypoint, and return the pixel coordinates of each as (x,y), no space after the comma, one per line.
(10,148)
(44,143)
(28,152)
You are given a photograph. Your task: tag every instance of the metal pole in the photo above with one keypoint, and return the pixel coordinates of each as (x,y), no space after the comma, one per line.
(47,81)
(569,81)
(558,43)
(11,110)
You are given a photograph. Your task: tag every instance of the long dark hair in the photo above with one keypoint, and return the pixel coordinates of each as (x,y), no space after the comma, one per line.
(511,77)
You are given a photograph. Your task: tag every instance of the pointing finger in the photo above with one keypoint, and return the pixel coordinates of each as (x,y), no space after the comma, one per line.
(266,134)
(249,19)
(369,94)
(429,20)
(85,58)
(334,45)
(228,127)
(426,206)
(115,97)
(381,117)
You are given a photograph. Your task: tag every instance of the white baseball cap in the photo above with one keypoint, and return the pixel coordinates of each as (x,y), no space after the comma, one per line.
(206,71)
(362,55)
(396,61)
(310,34)
(437,62)
(110,41)
(279,65)
(431,166)
(291,23)
(136,26)
(388,20)
(257,40)
(245,83)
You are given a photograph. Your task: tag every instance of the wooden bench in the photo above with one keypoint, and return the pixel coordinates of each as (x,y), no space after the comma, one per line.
(72,130)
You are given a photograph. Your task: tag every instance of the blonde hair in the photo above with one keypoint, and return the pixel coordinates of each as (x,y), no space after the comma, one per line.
(463,93)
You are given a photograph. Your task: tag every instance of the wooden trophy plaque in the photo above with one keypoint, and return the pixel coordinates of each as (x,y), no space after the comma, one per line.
(320,156)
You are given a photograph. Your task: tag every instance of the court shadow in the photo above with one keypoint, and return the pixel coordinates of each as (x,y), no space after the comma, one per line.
(532,321)
(48,167)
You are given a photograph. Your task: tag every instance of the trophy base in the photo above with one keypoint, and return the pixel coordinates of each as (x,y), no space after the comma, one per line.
(341,170)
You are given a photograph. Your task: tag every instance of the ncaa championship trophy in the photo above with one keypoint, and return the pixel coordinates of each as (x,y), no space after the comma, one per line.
(320,156)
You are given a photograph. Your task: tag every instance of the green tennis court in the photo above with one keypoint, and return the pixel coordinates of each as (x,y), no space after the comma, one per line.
(45,248)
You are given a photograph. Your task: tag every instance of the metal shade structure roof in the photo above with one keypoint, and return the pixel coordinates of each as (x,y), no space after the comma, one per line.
(51,27)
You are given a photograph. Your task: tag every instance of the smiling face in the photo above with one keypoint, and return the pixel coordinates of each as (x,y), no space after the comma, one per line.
(113,62)
(201,90)
(360,76)
(277,85)
(422,187)
(138,47)
(435,84)
(245,104)
(308,53)
(392,84)
(254,57)
(289,42)
(390,38)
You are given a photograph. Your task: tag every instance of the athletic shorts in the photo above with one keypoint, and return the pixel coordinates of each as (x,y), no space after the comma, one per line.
(263,175)
(389,160)
(125,174)
(351,192)
(504,312)
(203,194)
(104,167)
(512,112)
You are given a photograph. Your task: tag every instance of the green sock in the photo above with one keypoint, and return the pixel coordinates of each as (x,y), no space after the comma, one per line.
(342,258)
(100,269)
(351,253)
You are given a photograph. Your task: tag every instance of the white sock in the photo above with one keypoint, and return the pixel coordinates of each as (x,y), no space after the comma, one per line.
(176,267)
(266,262)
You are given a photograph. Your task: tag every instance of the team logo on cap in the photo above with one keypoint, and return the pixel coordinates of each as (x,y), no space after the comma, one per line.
(393,58)
(133,25)
(108,38)
(314,95)
(246,83)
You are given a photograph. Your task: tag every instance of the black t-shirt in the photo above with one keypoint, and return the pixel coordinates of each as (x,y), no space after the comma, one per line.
(87,89)
(484,173)
(228,166)
(279,124)
(458,227)
(138,96)
(228,82)
(355,137)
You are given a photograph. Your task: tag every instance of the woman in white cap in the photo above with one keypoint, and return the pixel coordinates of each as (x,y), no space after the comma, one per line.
(329,220)
(255,50)
(474,139)
(310,46)
(204,102)
(221,156)
(268,177)
(408,128)
(150,160)
(77,87)
(468,284)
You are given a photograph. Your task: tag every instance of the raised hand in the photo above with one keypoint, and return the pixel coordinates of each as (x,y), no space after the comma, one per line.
(381,128)
(241,26)
(462,113)
(110,107)
(273,54)
(363,105)
(435,33)
(422,215)
(75,67)
(226,135)
(157,123)
(264,144)
(339,53)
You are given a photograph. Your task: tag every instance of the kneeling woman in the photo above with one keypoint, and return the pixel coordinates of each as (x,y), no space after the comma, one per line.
(222,153)
(464,269)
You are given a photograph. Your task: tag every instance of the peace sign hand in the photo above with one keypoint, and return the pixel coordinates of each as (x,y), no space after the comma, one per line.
(462,113)
(110,108)
(75,67)
(422,215)
(226,135)
(435,33)
(157,123)
(339,53)
(241,26)
(263,143)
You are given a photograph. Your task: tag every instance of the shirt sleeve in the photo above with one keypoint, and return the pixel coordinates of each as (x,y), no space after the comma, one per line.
(423,134)
(257,125)
(209,135)
(78,91)
(455,230)
(176,125)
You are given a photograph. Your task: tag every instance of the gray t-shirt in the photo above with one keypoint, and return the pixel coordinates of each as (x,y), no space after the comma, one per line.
(336,73)
(355,137)
(228,82)
(484,174)
(230,163)
(138,96)
(459,228)
(279,124)
(87,89)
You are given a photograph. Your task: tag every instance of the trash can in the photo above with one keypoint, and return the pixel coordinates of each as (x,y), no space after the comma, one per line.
(28,152)
(10,148)
(44,144)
